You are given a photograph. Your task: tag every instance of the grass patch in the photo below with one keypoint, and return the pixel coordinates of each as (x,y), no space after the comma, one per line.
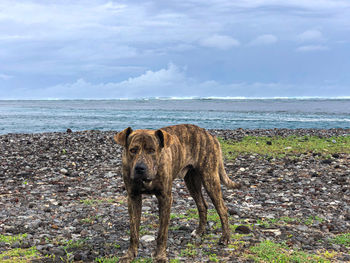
(19,255)
(93,202)
(107,260)
(74,244)
(189,251)
(12,239)
(142,260)
(342,239)
(280,147)
(268,251)
(312,219)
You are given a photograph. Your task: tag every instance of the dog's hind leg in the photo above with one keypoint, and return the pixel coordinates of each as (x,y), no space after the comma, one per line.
(211,181)
(194,185)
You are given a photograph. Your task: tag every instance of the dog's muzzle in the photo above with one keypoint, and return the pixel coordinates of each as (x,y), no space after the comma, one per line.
(141,173)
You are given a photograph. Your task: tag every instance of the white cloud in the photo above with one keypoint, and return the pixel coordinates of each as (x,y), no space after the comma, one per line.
(220,42)
(264,40)
(167,82)
(171,81)
(310,48)
(5,76)
(164,82)
(311,36)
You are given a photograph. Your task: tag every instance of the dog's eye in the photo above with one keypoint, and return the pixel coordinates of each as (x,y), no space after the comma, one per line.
(133,150)
(151,150)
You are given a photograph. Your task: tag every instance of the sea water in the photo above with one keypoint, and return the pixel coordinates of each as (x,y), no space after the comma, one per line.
(33,116)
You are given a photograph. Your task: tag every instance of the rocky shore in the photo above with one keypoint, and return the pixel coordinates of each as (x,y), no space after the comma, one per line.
(62,194)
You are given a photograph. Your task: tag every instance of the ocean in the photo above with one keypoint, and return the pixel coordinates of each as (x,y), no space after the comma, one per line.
(35,116)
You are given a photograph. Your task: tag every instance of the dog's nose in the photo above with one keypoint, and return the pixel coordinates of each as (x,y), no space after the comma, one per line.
(140,169)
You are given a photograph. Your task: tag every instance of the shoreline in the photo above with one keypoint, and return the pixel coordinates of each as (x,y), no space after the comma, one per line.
(62,194)
(253,132)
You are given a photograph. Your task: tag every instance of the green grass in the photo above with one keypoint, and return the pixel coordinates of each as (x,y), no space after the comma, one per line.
(268,222)
(19,255)
(93,202)
(107,259)
(74,244)
(342,239)
(12,239)
(312,219)
(189,251)
(142,260)
(268,251)
(280,147)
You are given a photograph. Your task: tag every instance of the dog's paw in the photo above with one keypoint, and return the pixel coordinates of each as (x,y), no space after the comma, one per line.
(160,259)
(224,240)
(127,258)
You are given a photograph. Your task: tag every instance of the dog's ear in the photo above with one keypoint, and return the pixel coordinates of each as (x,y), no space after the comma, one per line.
(122,137)
(165,139)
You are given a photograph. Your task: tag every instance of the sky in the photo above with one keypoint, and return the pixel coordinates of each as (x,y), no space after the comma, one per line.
(96,49)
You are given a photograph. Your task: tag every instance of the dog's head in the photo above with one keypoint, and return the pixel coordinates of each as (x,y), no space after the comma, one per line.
(142,149)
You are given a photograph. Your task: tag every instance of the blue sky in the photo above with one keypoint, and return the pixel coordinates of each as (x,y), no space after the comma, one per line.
(214,48)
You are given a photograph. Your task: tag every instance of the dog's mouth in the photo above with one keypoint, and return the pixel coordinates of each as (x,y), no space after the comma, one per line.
(147,183)
(146,180)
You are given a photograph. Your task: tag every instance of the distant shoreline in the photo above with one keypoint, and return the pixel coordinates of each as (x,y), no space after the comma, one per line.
(28,116)
(239,132)
(181,98)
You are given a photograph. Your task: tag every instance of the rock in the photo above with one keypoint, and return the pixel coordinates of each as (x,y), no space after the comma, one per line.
(302,228)
(147,238)
(35,224)
(16,245)
(58,252)
(242,230)
(184,228)
(64,171)
(336,155)
(327,161)
(98,228)
(234,211)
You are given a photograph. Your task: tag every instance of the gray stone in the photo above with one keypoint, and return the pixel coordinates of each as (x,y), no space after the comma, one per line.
(147,238)
(58,252)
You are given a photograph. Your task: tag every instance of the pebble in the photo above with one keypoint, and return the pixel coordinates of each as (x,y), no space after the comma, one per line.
(147,238)
(63,171)
(242,230)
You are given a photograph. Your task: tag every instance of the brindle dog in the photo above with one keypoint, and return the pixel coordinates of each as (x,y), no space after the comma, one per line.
(153,159)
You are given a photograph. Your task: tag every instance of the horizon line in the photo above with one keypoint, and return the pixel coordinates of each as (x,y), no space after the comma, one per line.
(184,98)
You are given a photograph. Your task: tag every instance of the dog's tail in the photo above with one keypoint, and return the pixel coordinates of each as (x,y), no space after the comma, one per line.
(225,179)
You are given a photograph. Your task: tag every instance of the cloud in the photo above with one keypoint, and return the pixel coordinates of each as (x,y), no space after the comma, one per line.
(310,48)
(263,40)
(164,82)
(5,76)
(311,36)
(220,42)
(171,81)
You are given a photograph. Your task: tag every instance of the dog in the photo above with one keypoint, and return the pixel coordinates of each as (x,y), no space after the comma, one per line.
(152,159)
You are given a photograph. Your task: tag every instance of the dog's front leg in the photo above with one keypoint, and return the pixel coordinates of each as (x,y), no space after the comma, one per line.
(164,204)
(134,208)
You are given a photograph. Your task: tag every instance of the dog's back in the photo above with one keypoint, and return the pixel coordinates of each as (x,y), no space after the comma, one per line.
(200,149)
